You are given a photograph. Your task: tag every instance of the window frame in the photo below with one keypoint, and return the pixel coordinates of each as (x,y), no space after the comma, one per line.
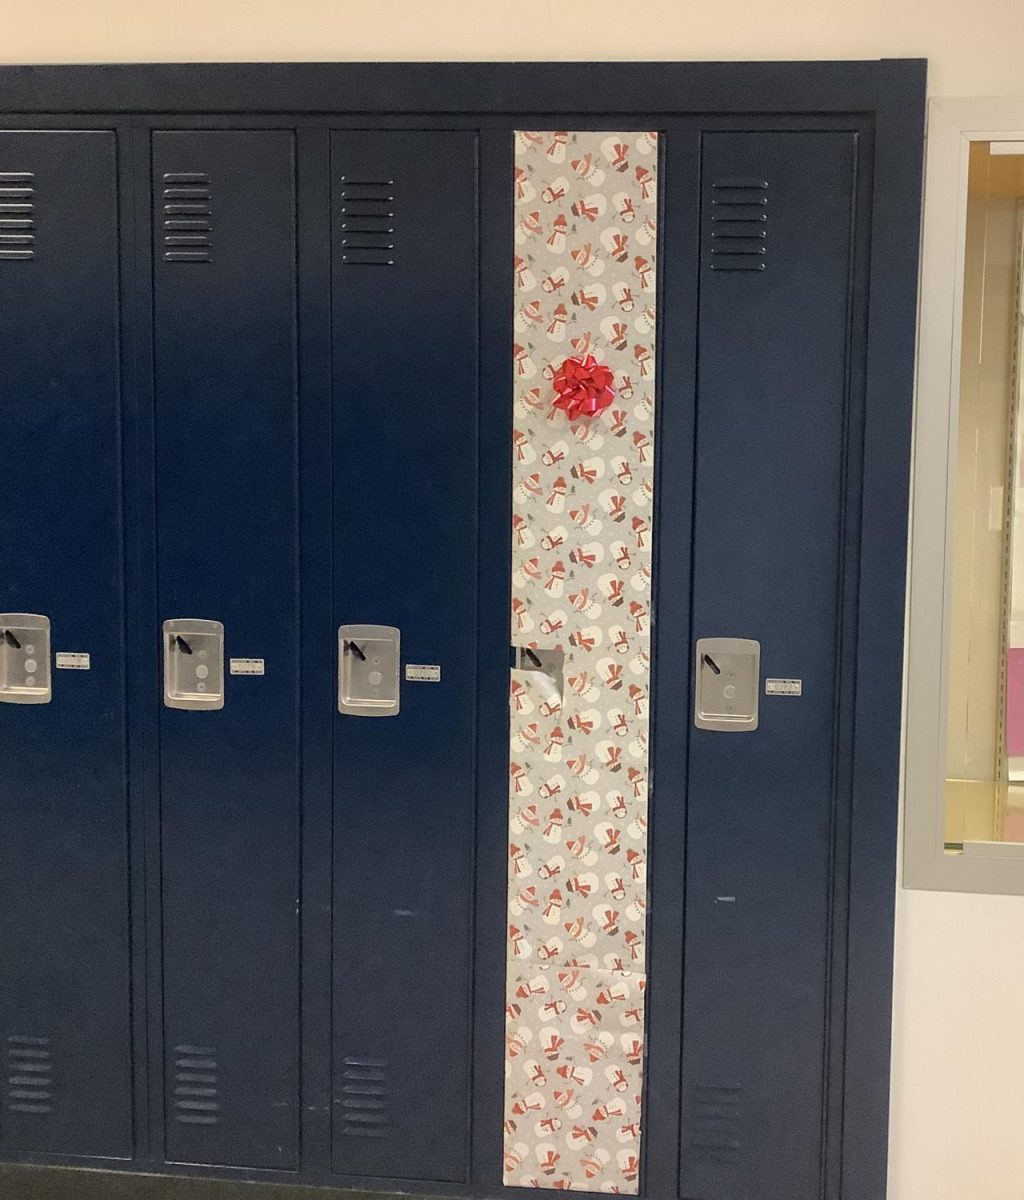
(953,125)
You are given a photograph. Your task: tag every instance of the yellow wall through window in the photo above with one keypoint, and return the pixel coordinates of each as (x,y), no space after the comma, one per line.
(987,611)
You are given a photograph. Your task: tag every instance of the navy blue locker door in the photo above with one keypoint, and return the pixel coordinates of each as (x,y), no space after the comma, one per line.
(405,479)
(64,1006)
(771,411)
(226,410)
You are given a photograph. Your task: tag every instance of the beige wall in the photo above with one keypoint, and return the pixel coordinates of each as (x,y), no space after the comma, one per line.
(958,1052)
(975,48)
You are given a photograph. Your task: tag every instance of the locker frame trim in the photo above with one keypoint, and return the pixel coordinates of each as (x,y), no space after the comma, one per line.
(889,95)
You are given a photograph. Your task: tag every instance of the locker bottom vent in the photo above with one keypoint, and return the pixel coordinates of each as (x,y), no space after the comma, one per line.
(715,1122)
(29,1076)
(364,1098)
(196,1086)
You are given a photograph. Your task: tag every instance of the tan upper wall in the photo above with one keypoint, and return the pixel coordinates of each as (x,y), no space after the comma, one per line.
(975,46)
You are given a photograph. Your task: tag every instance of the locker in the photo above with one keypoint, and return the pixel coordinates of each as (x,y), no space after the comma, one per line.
(63,817)
(774,345)
(225,409)
(405,484)
(385,903)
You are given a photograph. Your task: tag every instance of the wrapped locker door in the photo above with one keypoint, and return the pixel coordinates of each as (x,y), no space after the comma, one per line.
(226,461)
(64,1001)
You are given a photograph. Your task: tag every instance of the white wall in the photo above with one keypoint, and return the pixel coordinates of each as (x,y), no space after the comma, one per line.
(958,1080)
(957,1126)
(974,45)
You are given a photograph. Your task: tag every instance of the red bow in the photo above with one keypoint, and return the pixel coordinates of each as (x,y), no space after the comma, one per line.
(584,387)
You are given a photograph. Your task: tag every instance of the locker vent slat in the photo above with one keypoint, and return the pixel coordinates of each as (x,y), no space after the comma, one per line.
(715,1122)
(17,216)
(29,1088)
(187,217)
(367,222)
(196,1087)
(363,1104)
(739,224)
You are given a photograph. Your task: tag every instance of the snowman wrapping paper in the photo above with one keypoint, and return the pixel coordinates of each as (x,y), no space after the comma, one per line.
(582,514)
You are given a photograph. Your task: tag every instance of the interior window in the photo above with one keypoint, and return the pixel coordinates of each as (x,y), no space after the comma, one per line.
(985,733)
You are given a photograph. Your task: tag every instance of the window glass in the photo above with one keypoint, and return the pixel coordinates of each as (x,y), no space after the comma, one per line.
(985,735)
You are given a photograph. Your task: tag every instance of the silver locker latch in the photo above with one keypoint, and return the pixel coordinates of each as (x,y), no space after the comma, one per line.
(24,659)
(728,675)
(369,659)
(193,664)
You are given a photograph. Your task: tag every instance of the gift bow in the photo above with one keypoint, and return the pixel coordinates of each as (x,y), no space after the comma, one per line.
(584,387)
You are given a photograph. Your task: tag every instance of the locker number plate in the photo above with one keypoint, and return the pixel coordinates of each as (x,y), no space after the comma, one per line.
(423,673)
(246,666)
(783,687)
(73,662)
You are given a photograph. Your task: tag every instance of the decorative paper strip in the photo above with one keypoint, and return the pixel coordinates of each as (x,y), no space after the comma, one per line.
(575,1054)
(586,239)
